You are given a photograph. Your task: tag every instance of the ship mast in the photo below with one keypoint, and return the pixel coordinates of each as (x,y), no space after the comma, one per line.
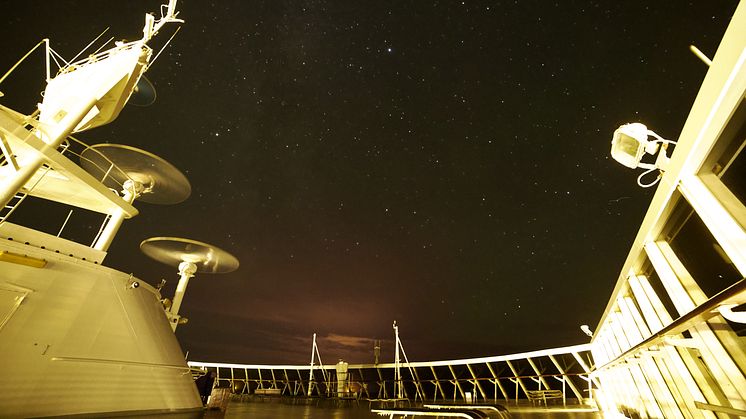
(84,94)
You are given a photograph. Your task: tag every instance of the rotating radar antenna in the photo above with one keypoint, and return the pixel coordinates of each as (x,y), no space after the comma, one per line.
(191,256)
(138,174)
(143,94)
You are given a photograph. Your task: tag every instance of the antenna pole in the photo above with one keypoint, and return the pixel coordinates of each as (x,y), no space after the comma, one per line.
(397,360)
(26,56)
(310,374)
(186,271)
(701,55)
(88,46)
(46,58)
(152,26)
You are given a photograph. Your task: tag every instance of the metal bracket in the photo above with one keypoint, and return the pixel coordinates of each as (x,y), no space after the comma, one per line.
(682,342)
(726,310)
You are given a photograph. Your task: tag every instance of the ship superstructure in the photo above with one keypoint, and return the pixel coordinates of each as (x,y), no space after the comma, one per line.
(77,337)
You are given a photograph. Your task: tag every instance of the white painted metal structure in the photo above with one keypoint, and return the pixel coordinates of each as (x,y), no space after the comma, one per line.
(490,379)
(77,338)
(669,343)
(80,338)
(311,381)
(191,256)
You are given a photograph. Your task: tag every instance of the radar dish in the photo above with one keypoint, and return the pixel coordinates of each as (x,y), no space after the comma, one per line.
(163,183)
(143,94)
(174,250)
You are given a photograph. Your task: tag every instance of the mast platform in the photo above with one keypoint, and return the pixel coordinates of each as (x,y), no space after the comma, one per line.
(61,180)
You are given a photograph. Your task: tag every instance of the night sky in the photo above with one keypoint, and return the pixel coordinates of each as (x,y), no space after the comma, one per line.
(444,164)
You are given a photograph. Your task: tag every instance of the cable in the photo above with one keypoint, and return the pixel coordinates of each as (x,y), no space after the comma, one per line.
(647,185)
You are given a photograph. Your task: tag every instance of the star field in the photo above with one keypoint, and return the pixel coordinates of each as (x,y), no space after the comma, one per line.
(444,164)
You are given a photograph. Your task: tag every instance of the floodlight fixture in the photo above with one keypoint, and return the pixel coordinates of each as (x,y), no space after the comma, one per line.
(586,330)
(630,144)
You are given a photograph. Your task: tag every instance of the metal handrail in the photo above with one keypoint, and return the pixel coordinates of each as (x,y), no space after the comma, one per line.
(67,150)
(107,170)
(701,314)
(282,383)
(99,56)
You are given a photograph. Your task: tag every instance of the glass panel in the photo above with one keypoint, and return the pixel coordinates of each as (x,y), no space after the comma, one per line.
(727,159)
(735,177)
(699,251)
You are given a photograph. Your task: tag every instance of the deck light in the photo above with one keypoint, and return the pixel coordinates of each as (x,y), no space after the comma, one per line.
(630,144)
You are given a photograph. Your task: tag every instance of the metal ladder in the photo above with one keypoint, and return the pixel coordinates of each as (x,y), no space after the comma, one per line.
(11,206)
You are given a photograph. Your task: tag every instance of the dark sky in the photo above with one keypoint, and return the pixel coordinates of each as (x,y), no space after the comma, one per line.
(444,164)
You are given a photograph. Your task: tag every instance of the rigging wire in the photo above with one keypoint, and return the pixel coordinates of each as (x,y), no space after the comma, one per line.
(164,46)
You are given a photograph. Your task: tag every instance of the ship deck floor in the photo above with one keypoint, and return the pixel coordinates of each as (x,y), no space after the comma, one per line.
(270,410)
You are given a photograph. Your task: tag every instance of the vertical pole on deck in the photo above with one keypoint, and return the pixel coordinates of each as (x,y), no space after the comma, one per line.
(397,373)
(564,398)
(310,371)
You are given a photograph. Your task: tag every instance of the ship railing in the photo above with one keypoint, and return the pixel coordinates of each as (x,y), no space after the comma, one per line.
(168,15)
(71,146)
(98,56)
(445,390)
(109,174)
(19,197)
(28,122)
(708,333)
(502,379)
